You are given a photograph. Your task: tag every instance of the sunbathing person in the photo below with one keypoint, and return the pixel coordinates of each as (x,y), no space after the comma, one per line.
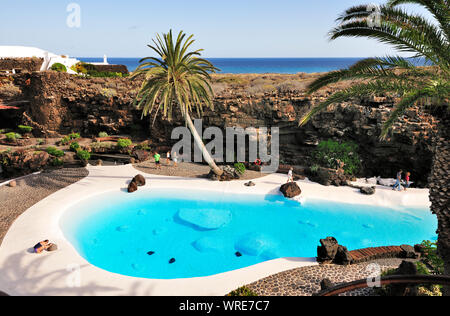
(41,246)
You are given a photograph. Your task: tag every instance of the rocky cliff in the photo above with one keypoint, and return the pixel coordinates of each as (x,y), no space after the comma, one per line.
(60,103)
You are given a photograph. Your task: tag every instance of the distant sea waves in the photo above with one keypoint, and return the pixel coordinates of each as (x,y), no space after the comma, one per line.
(256,65)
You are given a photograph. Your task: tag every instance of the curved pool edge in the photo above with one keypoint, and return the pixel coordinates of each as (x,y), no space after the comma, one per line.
(23,273)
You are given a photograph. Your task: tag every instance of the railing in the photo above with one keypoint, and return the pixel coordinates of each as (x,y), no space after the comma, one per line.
(386,280)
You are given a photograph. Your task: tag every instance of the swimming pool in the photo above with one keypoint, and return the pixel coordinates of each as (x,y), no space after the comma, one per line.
(170,233)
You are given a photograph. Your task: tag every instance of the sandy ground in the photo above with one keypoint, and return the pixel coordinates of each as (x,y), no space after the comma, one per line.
(185,169)
(31,190)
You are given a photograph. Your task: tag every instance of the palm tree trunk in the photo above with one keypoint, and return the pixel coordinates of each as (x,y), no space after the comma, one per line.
(198,140)
(439,194)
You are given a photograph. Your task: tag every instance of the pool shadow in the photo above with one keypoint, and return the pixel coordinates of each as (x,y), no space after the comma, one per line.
(27,278)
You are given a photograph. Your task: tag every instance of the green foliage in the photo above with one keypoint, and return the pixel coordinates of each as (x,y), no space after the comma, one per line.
(91,71)
(11,136)
(57,162)
(83,155)
(79,68)
(25,129)
(143,146)
(74,136)
(65,140)
(58,67)
(53,151)
(240,168)
(314,168)
(74,146)
(432,258)
(39,141)
(102,134)
(329,153)
(243,291)
(124,143)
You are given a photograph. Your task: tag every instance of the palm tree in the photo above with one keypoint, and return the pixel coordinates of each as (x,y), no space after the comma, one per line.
(178,77)
(428,41)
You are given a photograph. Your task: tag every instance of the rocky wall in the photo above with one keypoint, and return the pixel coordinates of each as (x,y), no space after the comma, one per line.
(61,103)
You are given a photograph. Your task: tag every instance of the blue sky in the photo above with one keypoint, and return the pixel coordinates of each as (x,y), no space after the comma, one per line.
(232,28)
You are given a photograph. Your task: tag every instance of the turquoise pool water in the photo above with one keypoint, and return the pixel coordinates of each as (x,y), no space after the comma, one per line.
(138,234)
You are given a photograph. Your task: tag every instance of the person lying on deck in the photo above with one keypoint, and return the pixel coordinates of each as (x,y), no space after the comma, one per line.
(41,246)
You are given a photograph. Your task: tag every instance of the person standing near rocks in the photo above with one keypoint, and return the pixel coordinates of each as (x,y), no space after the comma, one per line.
(408,183)
(168,158)
(175,159)
(157,162)
(397,185)
(290,175)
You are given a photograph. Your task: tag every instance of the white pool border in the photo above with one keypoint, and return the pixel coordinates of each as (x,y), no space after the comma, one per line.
(24,273)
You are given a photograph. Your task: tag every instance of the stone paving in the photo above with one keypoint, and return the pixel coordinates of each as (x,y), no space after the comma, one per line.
(305,281)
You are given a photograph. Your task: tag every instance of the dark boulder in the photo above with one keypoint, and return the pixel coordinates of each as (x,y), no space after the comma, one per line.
(139,180)
(326,284)
(132,187)
(367,190)
(327,250)
(343,256)
(141,155)
(290,189)
(405,268)
(408,252)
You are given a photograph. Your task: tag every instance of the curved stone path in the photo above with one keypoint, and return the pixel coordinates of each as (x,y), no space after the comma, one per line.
(305,281)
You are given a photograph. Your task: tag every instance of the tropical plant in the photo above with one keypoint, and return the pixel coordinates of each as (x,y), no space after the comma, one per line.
(177,78)
(428,87)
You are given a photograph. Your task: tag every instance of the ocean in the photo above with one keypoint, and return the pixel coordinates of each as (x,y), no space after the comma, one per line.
(255,65)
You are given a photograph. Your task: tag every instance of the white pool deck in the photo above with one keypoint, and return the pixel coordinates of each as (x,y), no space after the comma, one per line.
(57,273)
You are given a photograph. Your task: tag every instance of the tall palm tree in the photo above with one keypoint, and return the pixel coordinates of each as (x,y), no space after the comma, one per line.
(177,77)
(401,77)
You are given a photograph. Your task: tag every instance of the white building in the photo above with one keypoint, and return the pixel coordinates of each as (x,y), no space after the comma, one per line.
(49,58)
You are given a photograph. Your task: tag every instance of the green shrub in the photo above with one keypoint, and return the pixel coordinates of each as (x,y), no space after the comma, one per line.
(314,169)
(143,146)
(74,146)
(124,143)
(329,153)
(65,140)
(243,291)
(83,155)
(11,136)
(25,129)
(102,134)
(57,162)
(74,136)
(240,168)
(53,151)
(79,68)
(58,67)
